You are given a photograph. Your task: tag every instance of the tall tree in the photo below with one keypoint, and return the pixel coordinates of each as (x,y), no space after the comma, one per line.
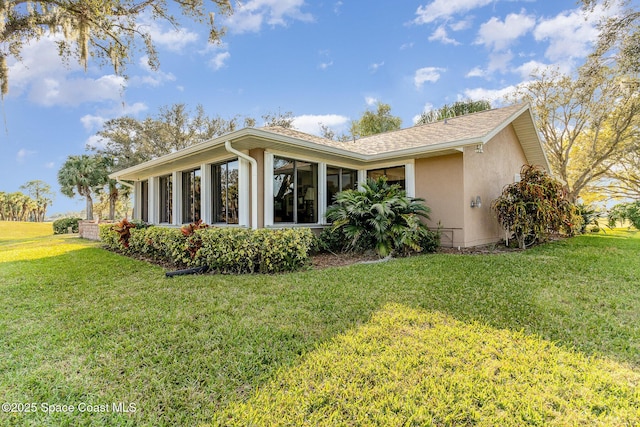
(619,38)
(374,122)
(83,175)
(284,120)
(459,108)
(130,141)
(106,30)
(589,122)
(41,193)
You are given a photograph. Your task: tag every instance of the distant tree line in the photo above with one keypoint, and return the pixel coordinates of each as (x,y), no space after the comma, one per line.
(32,206)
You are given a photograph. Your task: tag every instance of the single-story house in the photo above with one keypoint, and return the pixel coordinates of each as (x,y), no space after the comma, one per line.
(278,177)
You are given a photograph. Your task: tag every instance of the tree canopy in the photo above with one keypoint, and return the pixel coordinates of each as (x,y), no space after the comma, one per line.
(41,193)
(619,38)
(83,175)
(459,108)
(588,121)
(105,30)
(129,141)
(374,122)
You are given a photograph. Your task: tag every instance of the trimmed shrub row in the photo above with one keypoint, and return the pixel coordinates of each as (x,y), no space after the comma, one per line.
(61,226)
(223,250)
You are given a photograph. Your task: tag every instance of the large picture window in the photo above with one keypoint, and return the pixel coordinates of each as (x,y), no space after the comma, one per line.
(395,175)
(340,179)
(295,191)
(166,199)
(225,192)
(191,196)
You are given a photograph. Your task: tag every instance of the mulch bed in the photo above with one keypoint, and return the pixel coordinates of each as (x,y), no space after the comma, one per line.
(320,261)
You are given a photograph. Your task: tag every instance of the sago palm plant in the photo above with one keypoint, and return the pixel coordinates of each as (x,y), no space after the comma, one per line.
(381,217)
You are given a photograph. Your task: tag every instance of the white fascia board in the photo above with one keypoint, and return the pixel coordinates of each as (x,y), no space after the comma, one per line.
(311,146)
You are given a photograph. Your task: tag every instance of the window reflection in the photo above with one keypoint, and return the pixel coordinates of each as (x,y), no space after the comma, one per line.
(225,192)
(295,191)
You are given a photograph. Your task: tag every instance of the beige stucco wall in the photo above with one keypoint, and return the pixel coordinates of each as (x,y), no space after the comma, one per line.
(485,175)
(440,181)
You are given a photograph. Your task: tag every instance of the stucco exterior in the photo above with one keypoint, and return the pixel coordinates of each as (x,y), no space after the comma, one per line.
(440,181)
(486,174)
(447,163)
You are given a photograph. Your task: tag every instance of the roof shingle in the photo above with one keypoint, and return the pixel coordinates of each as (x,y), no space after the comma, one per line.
(474,126)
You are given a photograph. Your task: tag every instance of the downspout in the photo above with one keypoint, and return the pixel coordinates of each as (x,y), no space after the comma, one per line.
(254,181)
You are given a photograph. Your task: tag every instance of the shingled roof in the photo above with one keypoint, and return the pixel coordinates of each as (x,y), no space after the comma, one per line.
(421,140)
(465,130)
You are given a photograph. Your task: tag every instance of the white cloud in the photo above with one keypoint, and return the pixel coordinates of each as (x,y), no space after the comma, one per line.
(325,65)
(498,35)
(153,78)
(337,7)
(95,142)
(461,25)
(440,34)
(174,39)
(23,153)
(310,123)
(427,107)
(476,72)
(406,46)
(527,69)
(427,74)
(49,82)
(499,61)
(219,61)
(250,16)
(90,122)
(370,100)
(51,91)
(93,122)
(374,67)
(443,9)
(570,34)
(49,165)
(494,96)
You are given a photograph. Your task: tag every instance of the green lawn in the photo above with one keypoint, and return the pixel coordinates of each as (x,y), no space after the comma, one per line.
(550,336)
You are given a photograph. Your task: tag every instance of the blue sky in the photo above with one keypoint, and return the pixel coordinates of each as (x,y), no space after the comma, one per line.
(324,61)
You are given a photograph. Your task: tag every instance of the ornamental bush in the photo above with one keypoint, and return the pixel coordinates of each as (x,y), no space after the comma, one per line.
(222,250)
(535,207)
(61,226)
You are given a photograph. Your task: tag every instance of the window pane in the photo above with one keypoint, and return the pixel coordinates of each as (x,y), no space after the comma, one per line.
(144,201)
(231,192)
(283,185)
(307,186)
(349,179)
(166,199)
(333,184)
(394,175)
(191,196)
(217,196)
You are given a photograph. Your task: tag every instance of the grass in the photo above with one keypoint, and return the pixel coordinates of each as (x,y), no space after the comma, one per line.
(547,336)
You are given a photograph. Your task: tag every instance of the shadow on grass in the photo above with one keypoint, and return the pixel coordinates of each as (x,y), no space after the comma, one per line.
(96,327)
(415,367)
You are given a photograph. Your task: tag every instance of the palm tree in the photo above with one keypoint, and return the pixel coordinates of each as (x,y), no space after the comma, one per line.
(82,175)
(4,206)
(41,193)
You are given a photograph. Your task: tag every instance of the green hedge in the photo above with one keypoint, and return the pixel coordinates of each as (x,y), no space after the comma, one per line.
(61,226)
(223,250)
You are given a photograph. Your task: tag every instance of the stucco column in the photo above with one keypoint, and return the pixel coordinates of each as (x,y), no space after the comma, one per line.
(268,189)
